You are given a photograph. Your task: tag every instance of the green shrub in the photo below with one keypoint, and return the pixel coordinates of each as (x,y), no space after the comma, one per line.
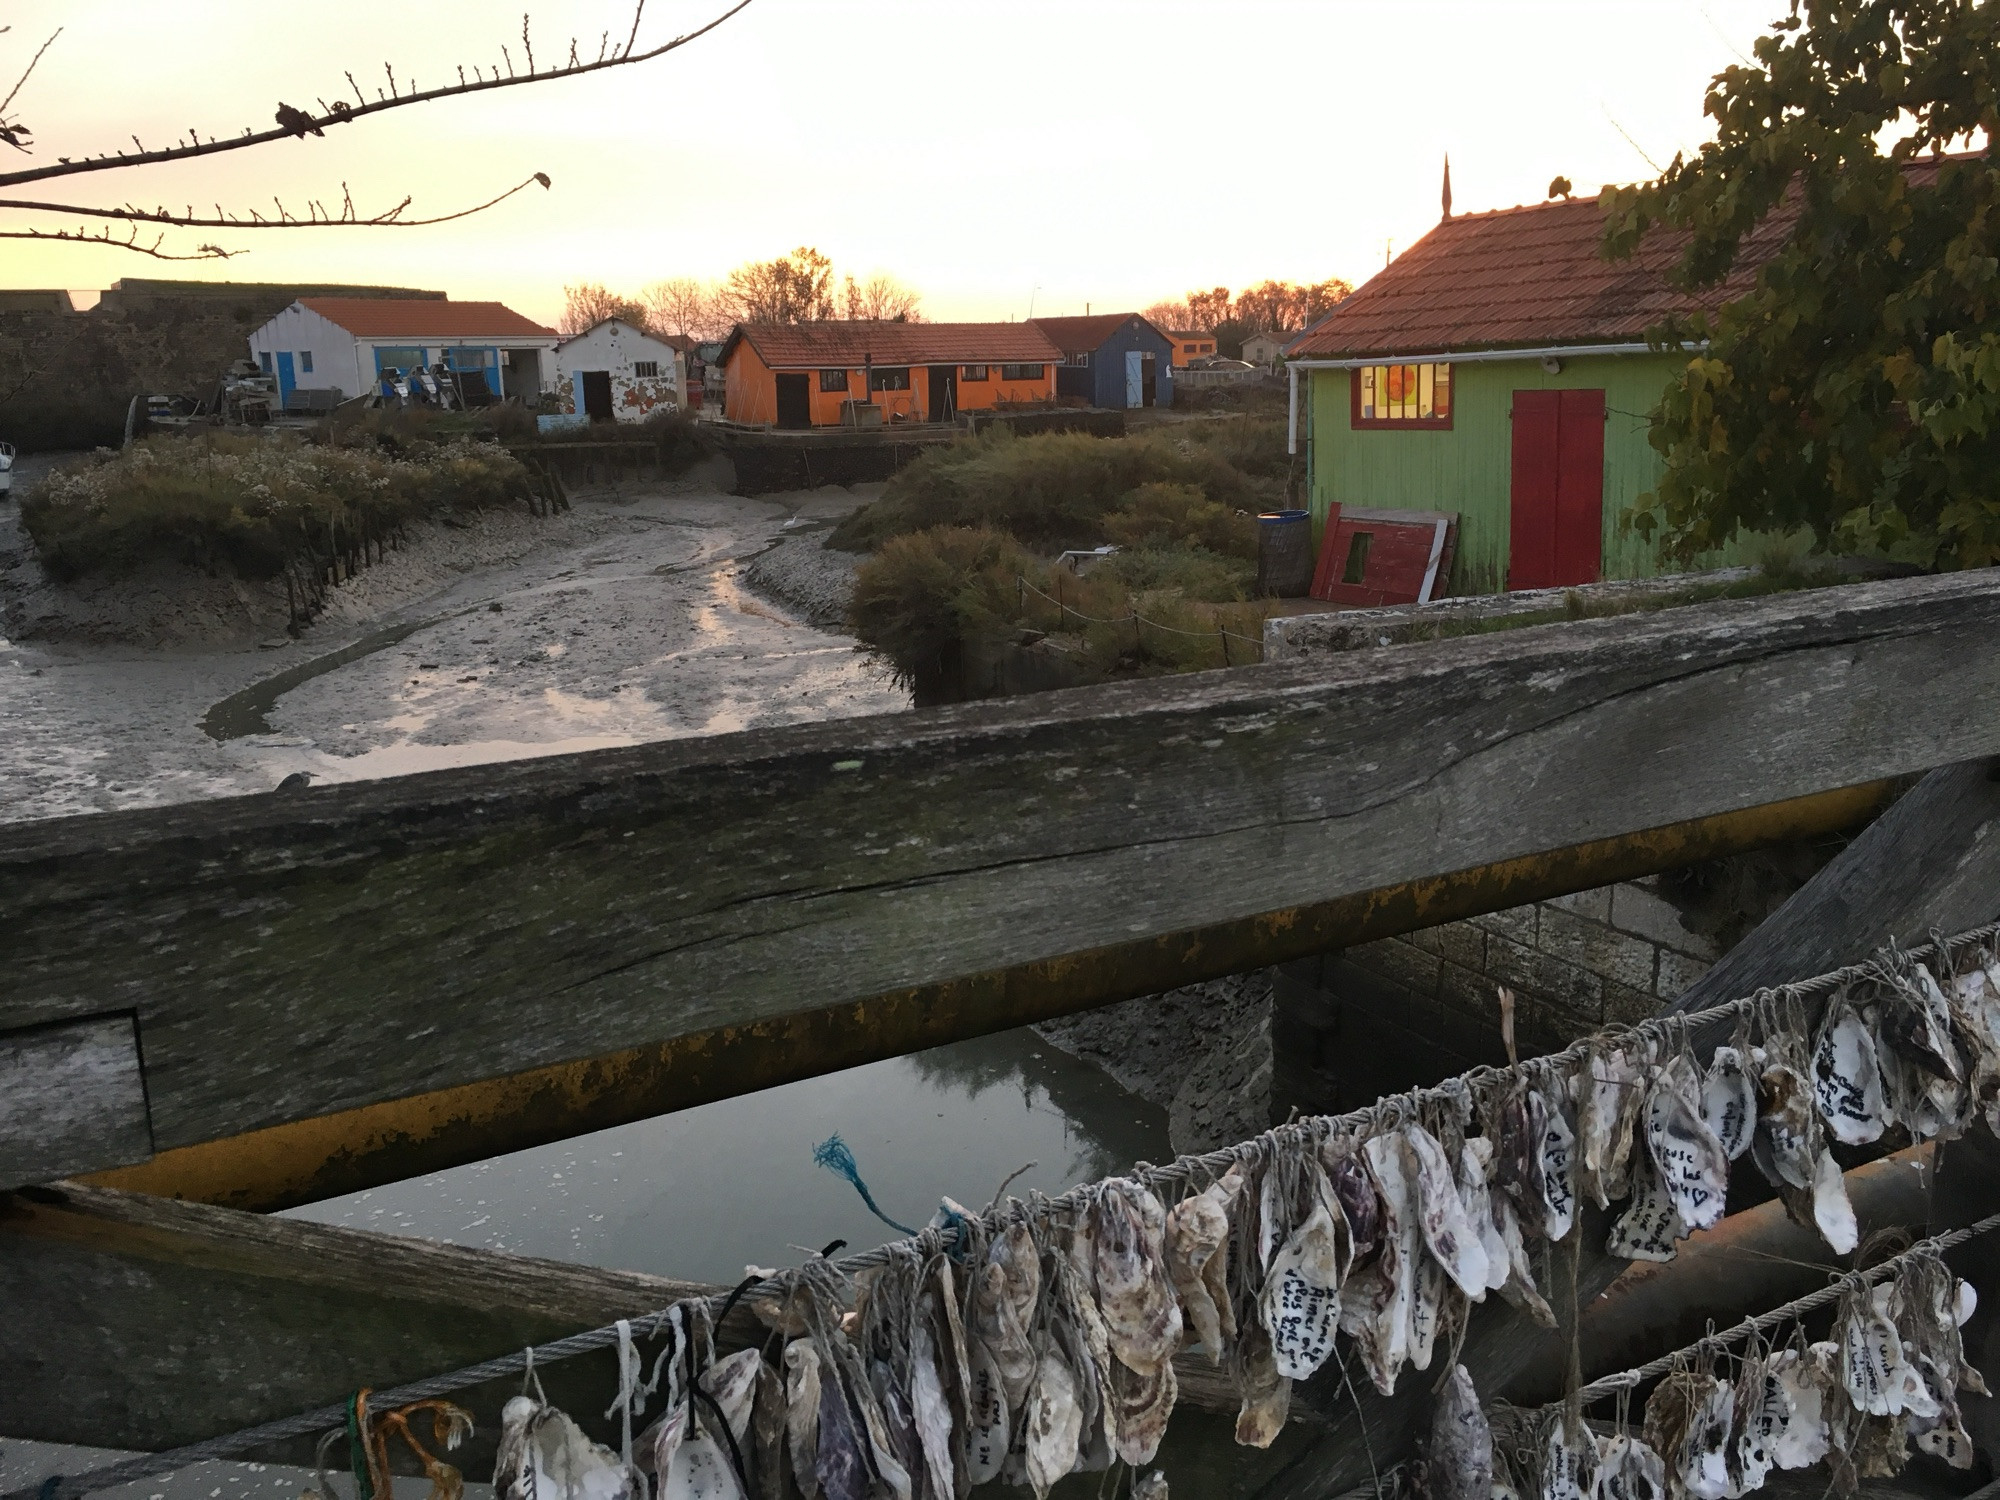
(1166,515)
(924,595)
(253,505)
(1049,491)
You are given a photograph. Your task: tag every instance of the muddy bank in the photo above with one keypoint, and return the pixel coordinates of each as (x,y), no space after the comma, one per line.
(1202,1053)
(807,577)
(623,621)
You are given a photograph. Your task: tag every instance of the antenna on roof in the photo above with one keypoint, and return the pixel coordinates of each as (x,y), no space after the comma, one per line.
(1447,184)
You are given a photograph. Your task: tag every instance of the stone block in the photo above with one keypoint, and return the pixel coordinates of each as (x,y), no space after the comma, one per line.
(1517,924)
(1398,963)
(1677,972)
(1463,944)
(1625,1006)
(1641,912)
(1605,952)
(1595,904)
(1541,977)
(1468,993)
(1427,939)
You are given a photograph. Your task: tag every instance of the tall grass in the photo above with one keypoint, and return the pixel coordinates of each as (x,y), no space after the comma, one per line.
(258,507)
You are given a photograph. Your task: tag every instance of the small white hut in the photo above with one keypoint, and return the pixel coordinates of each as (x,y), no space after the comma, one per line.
(613,370)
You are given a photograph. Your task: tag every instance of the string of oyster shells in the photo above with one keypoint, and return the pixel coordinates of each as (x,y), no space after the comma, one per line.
(1040,1335)
(1889,1373)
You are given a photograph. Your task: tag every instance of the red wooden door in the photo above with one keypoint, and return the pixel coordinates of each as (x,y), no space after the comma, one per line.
(1556,536)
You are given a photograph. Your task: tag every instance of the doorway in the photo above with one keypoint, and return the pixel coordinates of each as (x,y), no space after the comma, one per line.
(794,401)
(943,404)
(594,392)
(1149,382)
(1556,509)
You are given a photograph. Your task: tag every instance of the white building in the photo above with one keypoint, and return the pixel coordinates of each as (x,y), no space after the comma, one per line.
(347,346)
(613,370)
(1265,348)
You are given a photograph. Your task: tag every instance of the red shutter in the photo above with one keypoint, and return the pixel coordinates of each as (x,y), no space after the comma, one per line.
(1556,509)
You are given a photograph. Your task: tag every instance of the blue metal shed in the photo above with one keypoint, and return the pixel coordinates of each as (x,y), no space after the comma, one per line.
(1112,360)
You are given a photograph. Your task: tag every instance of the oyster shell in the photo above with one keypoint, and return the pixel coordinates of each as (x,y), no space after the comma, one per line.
(838,1464)
(1729,1102)
(802,1413)
(1612,1094)
(1053,1424)
(988,1427)
(1846,1078)
(931,1414)
(1355,1190)
(1003,1307)
(1426,1310)
(1461,1452)
(1763,1410)
(1300,1304)
(1142,1317)
(1376,1303)
(1806,1380)
(1628,1470)
(1197,1250)
(1569,1462)
(1143,1401)
(1651,1226)
(1265,1394)
(1689,1161)
(1519,1288)
(1879,1379)
(1688,1420)
(1448,1233)
(1476,1194)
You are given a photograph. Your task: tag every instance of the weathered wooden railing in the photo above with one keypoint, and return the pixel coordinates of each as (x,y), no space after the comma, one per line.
(283,996)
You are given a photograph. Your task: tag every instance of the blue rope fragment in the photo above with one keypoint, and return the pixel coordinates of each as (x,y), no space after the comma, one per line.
(833,1154)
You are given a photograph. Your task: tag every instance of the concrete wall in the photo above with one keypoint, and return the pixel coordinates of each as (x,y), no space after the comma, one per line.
(1389,1015)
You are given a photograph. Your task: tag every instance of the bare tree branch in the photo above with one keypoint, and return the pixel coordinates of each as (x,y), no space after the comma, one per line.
(317,218)
(104,236)
(341,113)
(13,132)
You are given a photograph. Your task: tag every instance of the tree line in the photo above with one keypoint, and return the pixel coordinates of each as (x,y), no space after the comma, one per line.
(1268,307)
(799,287)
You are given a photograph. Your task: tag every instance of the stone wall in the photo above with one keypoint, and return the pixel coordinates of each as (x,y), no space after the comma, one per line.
(1385,1016)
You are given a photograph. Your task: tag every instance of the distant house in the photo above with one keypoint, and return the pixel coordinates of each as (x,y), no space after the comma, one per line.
(351,345)
(613,371)
(1114,360)
(1266,349)
(1498,369)
(1192,346)
(54,301)
(815,374)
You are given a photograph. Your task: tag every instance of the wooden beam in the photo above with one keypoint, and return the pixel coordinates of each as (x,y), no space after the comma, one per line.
(294,956)
(306,1160)
(134,1322)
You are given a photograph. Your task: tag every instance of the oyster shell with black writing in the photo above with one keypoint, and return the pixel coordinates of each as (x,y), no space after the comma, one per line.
(1650,1228)
(1300,1303)
(1729,1101)
(1846,1078)
(1690,1163)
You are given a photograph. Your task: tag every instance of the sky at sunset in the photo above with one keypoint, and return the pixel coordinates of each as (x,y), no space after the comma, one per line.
(998,156)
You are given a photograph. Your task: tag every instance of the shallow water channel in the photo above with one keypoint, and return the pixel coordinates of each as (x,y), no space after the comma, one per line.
(702,1193)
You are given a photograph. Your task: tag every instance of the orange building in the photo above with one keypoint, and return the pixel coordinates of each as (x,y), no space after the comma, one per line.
(1191,346)
(808,374)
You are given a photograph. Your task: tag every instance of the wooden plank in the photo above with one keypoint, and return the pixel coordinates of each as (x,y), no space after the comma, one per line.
(136,1322)
(302,1161)
(71,1098)
(294,956)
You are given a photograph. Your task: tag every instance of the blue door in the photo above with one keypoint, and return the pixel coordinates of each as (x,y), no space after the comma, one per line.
(285,380)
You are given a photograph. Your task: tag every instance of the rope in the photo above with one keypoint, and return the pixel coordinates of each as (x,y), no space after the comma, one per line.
(1183,1172)
(1199,635)
(1624,1380)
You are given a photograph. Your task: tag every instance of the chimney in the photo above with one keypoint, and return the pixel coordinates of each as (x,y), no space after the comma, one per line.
(1447,184)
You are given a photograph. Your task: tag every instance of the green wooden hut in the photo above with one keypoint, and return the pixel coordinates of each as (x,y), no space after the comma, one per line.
(1498,368)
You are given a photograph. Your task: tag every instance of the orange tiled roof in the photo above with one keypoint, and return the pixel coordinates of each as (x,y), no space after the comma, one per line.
(805,346)
(370,317)
(1520,276)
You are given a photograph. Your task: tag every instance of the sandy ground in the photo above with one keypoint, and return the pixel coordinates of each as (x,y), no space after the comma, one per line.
(625,620)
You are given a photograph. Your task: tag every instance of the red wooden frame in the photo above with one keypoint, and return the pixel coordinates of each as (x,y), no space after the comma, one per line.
(1409,561)
(1396,424)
